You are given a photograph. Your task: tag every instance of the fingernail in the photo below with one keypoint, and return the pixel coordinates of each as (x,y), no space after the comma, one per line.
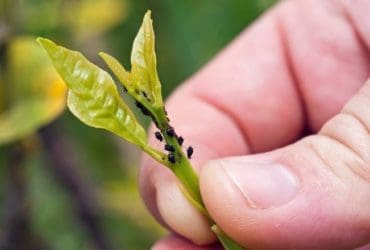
(264,185)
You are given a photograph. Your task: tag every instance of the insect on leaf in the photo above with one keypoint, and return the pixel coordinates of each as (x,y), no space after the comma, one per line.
(93,96)
(144,63)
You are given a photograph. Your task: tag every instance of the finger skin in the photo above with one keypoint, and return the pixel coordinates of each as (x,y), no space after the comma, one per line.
(269,84)
(332,207)
(327,53)
(171,242)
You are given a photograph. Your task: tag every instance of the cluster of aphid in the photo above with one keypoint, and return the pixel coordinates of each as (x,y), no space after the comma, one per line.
(170,131)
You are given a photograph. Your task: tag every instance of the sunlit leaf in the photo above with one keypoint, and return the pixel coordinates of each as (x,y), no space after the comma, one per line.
(93,96)
(144,63)
(34,91)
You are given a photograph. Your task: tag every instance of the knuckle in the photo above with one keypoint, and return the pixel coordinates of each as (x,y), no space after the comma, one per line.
(349,134)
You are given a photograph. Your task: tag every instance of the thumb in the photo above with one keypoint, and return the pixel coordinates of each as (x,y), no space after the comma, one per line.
(314,194)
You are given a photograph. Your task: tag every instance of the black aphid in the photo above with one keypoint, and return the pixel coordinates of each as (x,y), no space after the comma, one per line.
(170,131)
(171,157)
(169,147)
(145,95)
(143,109)
(180,140)
(124,89)
(165,111)
(190,151)
(158,135)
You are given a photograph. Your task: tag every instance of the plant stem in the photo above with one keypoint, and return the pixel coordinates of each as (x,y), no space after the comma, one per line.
(184,171)
(157,155)
(226,242)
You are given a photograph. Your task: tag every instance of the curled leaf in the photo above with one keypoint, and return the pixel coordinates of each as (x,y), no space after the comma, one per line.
(143,79)
(92,95)
(144,61)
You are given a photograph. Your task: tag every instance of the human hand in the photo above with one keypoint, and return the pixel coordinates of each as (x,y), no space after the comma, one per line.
(300,69)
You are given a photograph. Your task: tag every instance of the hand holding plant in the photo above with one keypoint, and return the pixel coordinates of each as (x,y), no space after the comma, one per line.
(301,68)
(95,100)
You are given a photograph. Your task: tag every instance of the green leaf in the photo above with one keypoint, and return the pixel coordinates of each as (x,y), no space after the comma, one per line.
(93,96)
(121,73)
(143,77)
(144,62)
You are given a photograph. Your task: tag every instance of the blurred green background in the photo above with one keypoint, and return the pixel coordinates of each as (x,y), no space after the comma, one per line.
(68,186)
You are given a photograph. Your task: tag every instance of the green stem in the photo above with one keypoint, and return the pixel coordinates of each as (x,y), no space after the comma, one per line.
(226,241)
(155,154)
(184,171)
(190,182)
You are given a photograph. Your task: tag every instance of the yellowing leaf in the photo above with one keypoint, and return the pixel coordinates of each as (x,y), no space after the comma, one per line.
(31,74)
(55,93)
(100,14)
(18,121)
(92,95)
(36,94)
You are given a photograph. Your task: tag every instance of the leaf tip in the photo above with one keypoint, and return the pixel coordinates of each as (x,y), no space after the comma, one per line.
(147,20)
(148,15)
(46,43)
(104,55)
(108,59)
(41,40)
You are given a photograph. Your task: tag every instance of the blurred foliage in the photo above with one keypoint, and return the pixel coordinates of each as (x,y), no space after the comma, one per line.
(51,215)
(38,91)
(100,14)
(188,34)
